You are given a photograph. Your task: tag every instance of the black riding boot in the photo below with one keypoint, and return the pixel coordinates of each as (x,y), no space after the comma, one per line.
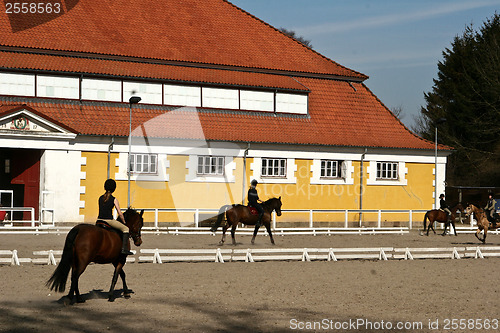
(125,244)
(258,224)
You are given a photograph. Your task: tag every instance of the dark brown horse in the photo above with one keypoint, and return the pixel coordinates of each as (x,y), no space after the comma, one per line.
(437,215)
(240,213)
(482,221)
(86,243)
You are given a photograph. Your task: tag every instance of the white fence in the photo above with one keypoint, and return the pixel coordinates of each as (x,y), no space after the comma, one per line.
(372,222)
(159,256)
(311,219)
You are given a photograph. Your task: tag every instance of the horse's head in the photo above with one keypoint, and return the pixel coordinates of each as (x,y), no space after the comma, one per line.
(275,204)
(134,222)
(471,209)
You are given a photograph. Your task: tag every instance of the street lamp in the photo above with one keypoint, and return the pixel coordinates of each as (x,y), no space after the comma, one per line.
(436,123)
(132,100)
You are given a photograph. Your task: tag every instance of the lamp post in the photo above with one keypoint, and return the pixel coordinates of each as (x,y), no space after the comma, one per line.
(132,100)
(436,123)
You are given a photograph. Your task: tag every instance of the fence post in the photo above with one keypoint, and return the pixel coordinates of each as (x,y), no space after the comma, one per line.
(156,218)
(32,217)
(196,217)
(411,219)
(379,223)
(310,218)
(346,221)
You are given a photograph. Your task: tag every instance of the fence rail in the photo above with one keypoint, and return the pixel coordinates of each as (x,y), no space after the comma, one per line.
(159,256)
(372,221)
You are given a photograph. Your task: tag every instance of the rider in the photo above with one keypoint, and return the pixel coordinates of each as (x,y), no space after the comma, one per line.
(490,210)
(444,206)
(106,203)
(253,200)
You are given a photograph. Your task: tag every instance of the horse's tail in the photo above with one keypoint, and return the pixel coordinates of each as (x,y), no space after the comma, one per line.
(220,216)
(426,217)
(58,279)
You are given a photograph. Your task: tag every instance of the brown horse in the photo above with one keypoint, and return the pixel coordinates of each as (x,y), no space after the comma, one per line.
(86,243)
(437,215)
(241,213)
(482,221)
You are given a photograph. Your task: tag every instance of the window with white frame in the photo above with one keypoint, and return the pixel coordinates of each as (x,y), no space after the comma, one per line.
(387,170)
(144,163)
(210,165)
(273,167)
(332,169)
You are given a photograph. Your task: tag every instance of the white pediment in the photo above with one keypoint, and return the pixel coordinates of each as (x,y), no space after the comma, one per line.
(23,122)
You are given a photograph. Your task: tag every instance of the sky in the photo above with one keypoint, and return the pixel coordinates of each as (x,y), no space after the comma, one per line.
(397,43)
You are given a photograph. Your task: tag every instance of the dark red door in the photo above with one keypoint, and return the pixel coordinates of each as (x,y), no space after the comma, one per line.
(26,171)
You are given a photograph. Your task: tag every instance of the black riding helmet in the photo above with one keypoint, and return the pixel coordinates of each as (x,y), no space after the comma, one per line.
(110,185)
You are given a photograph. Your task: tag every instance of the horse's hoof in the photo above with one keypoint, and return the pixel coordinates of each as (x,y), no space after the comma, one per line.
(126,296)
(111,299)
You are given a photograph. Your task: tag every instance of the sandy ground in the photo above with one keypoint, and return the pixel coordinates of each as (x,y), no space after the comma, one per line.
(344,296)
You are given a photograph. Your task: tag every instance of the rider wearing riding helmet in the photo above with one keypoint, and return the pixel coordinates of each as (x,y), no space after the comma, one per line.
(253,200)
(444,206)
(490,210)
(106,204)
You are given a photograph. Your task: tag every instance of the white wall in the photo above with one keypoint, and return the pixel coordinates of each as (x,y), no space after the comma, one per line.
(17,84)
(57,86)
(61,175)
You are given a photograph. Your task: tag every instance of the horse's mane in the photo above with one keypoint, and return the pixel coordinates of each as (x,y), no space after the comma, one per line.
(268,201)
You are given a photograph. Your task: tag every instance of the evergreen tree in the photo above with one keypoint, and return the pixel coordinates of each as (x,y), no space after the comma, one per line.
(467,94)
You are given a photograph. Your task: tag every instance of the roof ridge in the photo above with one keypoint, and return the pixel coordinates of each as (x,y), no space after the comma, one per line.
(296,41)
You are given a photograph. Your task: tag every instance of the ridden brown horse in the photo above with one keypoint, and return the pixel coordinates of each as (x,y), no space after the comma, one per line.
(241,213)
(482,221)
(86,243)
(437,215)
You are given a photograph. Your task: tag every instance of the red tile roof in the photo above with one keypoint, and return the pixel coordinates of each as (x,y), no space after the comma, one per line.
(338,116)
(209,41)
(192,31)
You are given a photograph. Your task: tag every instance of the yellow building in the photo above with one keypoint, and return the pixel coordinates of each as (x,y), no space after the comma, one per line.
(244,106)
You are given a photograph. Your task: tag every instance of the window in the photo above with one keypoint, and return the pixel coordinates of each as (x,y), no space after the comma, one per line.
(332,169)
(387,170)
(210,165)
(274,167)
(143,163)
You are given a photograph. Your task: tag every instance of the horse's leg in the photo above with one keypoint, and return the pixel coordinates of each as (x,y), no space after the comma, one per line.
(255,231)
(268,227)
(118,268)
(233,230)
(454,228)
(477,234)
(224,228)
(126,291)
(431,225)
(485,232)
(445,228)
(74,291)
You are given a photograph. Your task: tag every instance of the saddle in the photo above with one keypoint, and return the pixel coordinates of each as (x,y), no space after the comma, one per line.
(253,210)
(105,225)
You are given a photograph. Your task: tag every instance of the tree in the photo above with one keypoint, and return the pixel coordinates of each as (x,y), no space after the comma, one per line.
(467,93)
(294,35)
